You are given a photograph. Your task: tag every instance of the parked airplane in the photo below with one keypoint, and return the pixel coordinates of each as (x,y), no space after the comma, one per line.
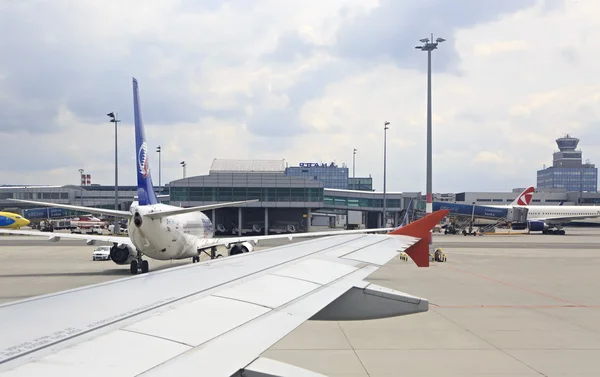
(162,231)
(12,220)
(545,218)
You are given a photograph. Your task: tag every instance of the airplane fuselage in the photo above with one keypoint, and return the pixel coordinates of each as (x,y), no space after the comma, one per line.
(547,212)
(12,220)
(170,237)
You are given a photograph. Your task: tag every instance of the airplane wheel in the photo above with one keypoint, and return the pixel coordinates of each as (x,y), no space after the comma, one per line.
(133,267)
(561,232)
(145,266)
(219,256)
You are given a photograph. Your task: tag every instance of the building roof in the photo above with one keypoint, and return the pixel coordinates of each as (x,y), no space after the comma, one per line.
(229,166)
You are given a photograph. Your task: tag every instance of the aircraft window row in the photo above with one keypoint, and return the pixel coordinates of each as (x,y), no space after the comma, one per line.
(562,213)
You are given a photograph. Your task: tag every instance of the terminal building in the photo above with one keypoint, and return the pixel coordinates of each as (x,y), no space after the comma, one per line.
(289,199)
(286,203)
(568,171)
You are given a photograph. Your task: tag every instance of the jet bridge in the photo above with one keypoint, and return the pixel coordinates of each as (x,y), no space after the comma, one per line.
(517,214)
(459,209)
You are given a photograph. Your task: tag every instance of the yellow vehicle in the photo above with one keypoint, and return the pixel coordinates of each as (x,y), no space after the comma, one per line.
(438,256)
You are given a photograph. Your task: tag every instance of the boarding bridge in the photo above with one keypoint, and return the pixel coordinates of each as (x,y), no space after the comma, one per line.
(517,215)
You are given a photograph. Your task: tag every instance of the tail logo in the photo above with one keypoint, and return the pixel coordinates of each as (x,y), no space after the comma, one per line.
(525,198)
(143,159)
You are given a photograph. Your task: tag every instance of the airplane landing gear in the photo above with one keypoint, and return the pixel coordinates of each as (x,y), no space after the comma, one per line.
(213,254)
(195,259)
(139,263)
(554,231)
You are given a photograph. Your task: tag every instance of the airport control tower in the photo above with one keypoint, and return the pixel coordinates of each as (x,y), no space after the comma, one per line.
(567,170)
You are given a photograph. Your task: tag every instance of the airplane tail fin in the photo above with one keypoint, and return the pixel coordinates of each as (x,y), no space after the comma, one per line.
(524,198)
(419,252)
(145,188)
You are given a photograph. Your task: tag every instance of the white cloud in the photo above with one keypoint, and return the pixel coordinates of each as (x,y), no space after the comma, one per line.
(271,79)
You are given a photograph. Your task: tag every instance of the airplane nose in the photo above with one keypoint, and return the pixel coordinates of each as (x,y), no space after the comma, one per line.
(25,222)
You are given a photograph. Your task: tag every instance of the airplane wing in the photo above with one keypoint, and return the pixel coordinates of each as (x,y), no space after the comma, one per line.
(179,211)
(55,237)
(226,241)
(101,211)
(214,318)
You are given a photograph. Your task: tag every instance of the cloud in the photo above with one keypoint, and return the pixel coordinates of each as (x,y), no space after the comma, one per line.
(391,30)
(270,79)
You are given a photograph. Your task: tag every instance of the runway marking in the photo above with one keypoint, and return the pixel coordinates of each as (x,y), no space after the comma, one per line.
(518,287)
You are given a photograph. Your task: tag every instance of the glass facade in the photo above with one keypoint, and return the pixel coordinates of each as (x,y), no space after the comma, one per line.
(360,202)
(229,194)
(567,170)
(331,175)
(572,179)
(361,184)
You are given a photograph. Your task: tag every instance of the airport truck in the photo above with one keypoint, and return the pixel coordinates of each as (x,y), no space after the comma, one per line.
(353,220)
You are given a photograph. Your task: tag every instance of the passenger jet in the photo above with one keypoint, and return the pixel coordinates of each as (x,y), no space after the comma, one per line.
(12,220)
(545,218)
(161,231)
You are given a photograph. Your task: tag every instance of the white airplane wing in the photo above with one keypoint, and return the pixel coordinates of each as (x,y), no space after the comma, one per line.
(55,237)
(226,241)
(212,319)
(101,211)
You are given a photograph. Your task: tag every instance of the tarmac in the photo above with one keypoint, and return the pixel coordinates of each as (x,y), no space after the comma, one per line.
(518,305)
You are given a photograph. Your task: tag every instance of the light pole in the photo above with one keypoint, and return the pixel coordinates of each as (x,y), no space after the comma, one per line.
(81,185)
(158,149)
(354,165)
(429,45)
(385,128)
(183,165)
(115,119)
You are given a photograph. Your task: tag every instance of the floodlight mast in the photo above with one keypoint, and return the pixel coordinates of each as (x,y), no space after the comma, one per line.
(429,45)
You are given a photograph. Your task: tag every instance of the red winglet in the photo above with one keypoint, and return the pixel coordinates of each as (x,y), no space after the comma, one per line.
(421,228)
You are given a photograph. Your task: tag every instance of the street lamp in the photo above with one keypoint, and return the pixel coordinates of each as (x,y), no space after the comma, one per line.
(114,119)
(81,185)
(385,128)
(158,149)
(429,45)
(354,165)
(183,165)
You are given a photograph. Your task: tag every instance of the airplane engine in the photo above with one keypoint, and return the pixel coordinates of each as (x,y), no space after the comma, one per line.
(122,254)
(537,226)
(239,248)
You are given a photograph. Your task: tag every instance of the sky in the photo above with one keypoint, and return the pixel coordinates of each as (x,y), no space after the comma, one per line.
(302,81)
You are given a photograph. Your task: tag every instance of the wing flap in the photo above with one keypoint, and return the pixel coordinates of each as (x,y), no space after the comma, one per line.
(371,302)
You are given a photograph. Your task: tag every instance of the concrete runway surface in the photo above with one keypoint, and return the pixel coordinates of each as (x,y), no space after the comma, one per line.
(518,305)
